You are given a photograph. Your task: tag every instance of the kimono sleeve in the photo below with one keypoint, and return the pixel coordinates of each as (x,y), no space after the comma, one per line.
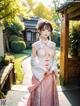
(54,61)
(37,70)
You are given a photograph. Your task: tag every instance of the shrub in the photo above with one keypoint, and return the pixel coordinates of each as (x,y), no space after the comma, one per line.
(74,42)
(15,38)
(18,46)
(9,57)
(28,45)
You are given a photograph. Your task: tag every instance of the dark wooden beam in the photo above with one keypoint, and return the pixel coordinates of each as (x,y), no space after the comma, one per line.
(73,7)
(74,14)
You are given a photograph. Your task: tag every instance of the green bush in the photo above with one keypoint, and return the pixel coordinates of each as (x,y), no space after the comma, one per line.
(74,42)
(18,46)
(15,38)
(28,45)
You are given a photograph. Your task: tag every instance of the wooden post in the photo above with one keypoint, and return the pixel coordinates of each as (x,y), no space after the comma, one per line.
(64,47)
(8,82)
(13,75)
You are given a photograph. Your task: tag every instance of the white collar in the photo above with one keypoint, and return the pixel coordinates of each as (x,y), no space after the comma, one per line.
(44,41)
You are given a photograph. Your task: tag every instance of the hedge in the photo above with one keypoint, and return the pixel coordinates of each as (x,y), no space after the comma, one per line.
(18,46)
(15,38)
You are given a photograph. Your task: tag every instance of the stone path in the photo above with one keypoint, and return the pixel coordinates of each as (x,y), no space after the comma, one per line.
(27,71)
(68,96)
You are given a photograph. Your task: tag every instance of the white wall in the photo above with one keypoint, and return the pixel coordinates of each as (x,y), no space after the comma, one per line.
(1,42)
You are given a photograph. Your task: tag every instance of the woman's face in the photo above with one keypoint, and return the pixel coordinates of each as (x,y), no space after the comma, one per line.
(45,32)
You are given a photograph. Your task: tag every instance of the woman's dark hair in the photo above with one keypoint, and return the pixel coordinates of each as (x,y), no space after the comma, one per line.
(41,26)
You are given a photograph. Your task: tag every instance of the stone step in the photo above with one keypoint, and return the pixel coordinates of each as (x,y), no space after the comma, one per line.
(13,97)
(22,88)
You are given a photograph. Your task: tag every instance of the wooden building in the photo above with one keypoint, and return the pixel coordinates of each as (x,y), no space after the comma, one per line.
(30,32)
(69,67)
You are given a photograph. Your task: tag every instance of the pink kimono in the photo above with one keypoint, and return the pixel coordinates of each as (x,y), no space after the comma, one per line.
(43,91)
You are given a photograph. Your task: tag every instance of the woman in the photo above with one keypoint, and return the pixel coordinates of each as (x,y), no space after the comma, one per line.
(42,91)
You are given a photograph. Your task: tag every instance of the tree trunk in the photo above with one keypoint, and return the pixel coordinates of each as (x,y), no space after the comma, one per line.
(6,43)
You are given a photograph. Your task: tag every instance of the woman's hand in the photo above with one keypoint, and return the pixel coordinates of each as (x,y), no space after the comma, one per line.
(55,73)
(47,73)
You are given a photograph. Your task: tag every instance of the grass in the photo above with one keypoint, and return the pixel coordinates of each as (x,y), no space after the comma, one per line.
(17,58)
(18,68)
